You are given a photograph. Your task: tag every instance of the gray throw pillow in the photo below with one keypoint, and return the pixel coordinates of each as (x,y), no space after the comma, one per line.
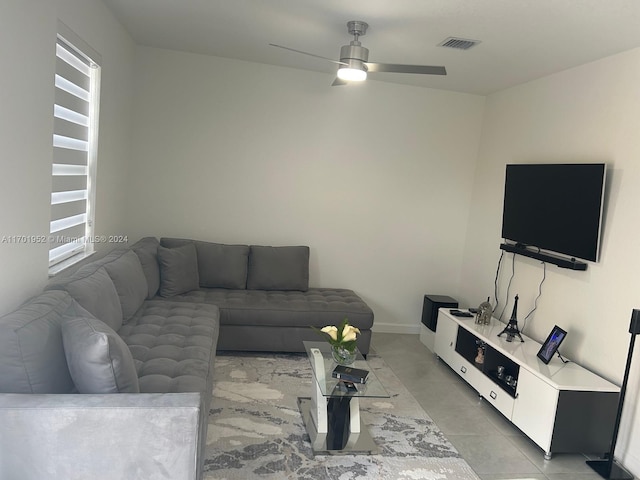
(178,270)
(219,265)
(92,287)
(147,251)
(99,361)
(278,268)
(131,284)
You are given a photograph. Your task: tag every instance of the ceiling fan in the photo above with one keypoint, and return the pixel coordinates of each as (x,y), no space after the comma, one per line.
(353,65)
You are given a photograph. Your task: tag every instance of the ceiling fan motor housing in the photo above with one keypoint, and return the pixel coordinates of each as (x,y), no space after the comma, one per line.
(355,56)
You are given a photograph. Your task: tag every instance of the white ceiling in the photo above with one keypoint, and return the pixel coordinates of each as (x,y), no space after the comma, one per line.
(521,39)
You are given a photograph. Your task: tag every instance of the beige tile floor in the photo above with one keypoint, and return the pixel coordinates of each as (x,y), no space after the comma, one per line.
(494,448)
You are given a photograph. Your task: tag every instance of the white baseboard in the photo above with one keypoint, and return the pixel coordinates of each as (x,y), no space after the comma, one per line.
(395,328)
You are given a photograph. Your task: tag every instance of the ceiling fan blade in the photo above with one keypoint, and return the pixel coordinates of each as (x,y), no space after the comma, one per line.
(307,53)
(397,68)
(337,82)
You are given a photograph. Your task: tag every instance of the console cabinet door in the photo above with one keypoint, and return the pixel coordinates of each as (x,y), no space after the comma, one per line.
(534,410)
(445,343)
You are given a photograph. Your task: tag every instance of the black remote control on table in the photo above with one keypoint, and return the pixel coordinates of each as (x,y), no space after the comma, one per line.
(460,313)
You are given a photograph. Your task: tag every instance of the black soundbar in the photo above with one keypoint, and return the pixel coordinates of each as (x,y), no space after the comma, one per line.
(570,263)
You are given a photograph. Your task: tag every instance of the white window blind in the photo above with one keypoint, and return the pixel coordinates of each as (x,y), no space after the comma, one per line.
(74,153)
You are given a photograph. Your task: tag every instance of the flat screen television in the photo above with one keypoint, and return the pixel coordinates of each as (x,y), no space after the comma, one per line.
(555,207)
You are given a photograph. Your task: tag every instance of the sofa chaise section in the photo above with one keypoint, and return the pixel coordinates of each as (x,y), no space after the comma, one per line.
(261,320)
(264,297)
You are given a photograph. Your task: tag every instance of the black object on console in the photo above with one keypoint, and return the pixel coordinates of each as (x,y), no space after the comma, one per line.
(430,307)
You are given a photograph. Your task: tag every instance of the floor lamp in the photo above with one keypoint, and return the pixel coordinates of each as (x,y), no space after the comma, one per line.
(608,468)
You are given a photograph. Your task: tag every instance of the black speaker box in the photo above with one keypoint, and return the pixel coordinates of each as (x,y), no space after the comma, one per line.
(430,307)
(634,328)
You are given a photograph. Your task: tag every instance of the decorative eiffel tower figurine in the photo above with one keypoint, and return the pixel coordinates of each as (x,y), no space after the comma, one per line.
(512,327)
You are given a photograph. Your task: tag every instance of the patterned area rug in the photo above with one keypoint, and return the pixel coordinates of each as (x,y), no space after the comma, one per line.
(256,430)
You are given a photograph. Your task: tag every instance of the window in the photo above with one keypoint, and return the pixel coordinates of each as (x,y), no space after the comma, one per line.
(75,135)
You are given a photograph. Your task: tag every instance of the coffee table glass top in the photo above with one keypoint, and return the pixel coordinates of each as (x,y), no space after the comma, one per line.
(329,386)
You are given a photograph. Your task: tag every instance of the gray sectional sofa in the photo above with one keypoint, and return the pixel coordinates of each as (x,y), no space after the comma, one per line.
(145,322)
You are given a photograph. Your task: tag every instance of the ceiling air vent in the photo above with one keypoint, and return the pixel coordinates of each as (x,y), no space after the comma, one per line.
(459,43)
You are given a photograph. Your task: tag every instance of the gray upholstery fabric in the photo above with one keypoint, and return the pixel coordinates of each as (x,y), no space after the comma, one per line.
(316,306)
(256,338)
(147,251)
(173,345)
(219,265)
(100,437)
(98,359)
(131,284)
(278,268)
(178,270)
(279,320)
(32,358)
(92,288)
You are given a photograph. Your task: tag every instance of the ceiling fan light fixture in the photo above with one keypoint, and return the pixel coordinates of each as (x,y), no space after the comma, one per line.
(349,74)
(352,70)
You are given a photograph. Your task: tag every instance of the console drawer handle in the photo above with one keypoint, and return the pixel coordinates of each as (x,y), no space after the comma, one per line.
(493,395)
(463,369)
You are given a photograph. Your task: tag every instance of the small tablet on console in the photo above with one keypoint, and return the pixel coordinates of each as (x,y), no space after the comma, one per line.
(551,344)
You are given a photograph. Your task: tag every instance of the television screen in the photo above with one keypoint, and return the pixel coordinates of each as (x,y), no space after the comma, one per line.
(555,207)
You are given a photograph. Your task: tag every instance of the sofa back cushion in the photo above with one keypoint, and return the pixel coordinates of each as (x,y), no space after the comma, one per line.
(98,359)
(278,268)
(147,251)
(32,356)
(127,276)
(94,290)
(178,270)
(219,265)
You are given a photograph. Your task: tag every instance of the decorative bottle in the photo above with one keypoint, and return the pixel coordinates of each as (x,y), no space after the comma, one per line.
(483,317)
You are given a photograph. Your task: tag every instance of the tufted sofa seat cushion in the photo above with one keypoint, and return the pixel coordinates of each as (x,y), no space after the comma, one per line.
(317,307)
(173,345)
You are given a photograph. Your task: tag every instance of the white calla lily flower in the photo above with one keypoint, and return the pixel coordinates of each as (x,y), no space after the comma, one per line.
(332,331)
(349,336)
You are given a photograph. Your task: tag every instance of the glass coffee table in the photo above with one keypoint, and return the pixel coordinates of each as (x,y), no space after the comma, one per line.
(332,414)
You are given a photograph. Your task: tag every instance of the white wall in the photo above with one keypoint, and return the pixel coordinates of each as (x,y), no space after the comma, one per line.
(27,45)
(375,178)
(586,114)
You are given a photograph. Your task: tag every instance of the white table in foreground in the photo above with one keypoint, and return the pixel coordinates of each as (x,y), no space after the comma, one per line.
(331,415)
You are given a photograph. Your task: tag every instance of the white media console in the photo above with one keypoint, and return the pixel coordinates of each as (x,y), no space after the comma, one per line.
(562,407)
